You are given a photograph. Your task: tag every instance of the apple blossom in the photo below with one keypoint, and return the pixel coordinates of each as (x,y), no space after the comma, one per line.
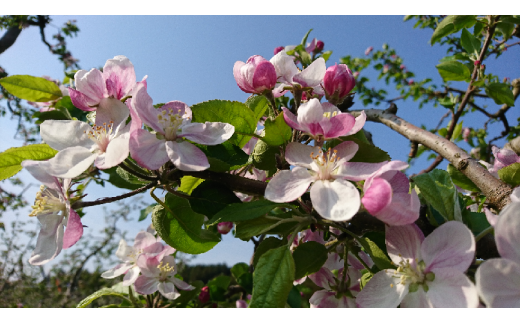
(323,121)
(386,195)
(278,49)
(159,275)
(241,303)
(369,50)
(224,227)
(255,76)
(53,211)
(430,270)
(338,82)
(503,158)
(332,196)
(172,124)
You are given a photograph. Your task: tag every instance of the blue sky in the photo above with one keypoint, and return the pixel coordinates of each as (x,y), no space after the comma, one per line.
(191,58)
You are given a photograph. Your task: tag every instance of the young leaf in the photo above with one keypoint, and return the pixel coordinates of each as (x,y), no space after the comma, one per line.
(263,157)
(470,43)
(376,254)
(245,211)
(304,40)
(500,93)
(295,298)
(218,288)
(247,229)
(188,184)
(239,269)
(510,174)
(453,71)
(147,210)
(309,257)
(31,88)
(277,132)
(224,157)
(12,158)
(273,278)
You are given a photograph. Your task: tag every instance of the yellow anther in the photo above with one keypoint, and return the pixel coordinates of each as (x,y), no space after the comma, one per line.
(165,268)
(391,285)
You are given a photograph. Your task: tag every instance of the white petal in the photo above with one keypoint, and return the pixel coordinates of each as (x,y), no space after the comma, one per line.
(131,276)
(298,154)
(404,243)
(337,201)
(417,299)
(50,239)
(40,174)
(310,112)
(117,152)
(167,289)
(313,74)
(498,283)
(186,156)
(70,162)
(209,133)
(147,150)
(288,185)
(358,171)
(507,232)
(383,290)
(117,271)
(451,288)
(61,134)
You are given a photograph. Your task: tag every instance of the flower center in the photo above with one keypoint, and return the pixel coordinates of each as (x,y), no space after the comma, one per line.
(46,202)
(326,163)
(413,275)
(101,135)
(171,122)
(166,271)
(329,115)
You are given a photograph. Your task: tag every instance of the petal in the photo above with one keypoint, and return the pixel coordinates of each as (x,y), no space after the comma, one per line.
(181,284)
(209,133)
(298,154)
(292,120)
(142,103)
(515,196)
(117,152)
(313,74)
(340,125)
(124,251)
(167,289)
(61,134)
(147,150)
(451,245)
(507,232)
(146,285)
(336,201)
(358,171)
(310,112)
(345,151)
(50,239)
(288,185)
(284,66)
(360,122)
(327,299)
(92,85)
(79,100)
(491,217)
(70,162)
(111,110)
(451,288)
(383,290)
(417,299)
(186,156)
(144,239)
(41,175)
(117,271)
(74,230)
(403,209)
(148,266)
(388,167)
(377,196)
(498,283)
(404,243)
(131,276)
(323,278)
(121,71)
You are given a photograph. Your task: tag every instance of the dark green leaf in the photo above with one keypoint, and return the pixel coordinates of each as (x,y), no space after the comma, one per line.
(263,157)
(461,180)
(245,211)
(273,278)
(267,244)
(65,104)
(476,221)
(277,132)
(210,197)
(309,257)
(239,269)
(11,159)
(116,179)
(258,104)
(246,281)
(247,229)
(49,115)
(224,157)
(295,298)
(376,254)
(510,174)
(500,93)
(304,39)
(31,88)
(469,42)
(218,288)
(506,28)
(188,295)
(453,71)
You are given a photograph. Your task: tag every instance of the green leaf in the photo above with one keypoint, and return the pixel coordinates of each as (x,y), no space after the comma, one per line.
(295,298)
(264,246)
(506,28)
(182,230)
(326,55)
(476,221)
(118,181)
(273,279)
(224,157)
(451,24)
(304,39)
(218,288)
(457,130)
(376,254)
(277,132)
(470,43)
(49,115)
(453,71)
(147,210)
(263,157)
(65,104)
(189,183)
(258,104)
(500,93)
(242,275)
(245,211)
(102,292)
(437,189)
(510,19)
(309,257)
(510,174)
(367,153)
(247,229)
(210,197)
(31,88)
(365,278)
(239,269)
(461,180)
(236,113)
(12,158)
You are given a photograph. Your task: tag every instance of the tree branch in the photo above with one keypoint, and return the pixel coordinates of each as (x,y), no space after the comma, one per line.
(9,38)
(81,204)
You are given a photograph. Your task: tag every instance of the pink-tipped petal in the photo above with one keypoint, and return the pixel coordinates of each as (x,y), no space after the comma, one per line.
(74,230)
(121,73)
(291,120)
(377,196)
(147,150)
(323,278)
(113,111)
(404,243)
(142,103)
(327,299)
(186,156)
(146,285)
(358,171)
(360,122)
(336,201)
(92,85)
(79,100)
(340,125)
(288,185)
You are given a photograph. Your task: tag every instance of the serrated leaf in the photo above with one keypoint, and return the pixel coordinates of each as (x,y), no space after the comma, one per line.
(506,28)
(453,71)
(376,254)
(12,158)
(182,230)
(245,211)
(500,93)
(469,42)
(258,104)
(277,132)
(189,183)
(438,190)
(102,292)
(264,246)
(510,174)
(31,88)
(273,279)
(210,197)
(309,257)
(461,180)
(263,157)
(232,112)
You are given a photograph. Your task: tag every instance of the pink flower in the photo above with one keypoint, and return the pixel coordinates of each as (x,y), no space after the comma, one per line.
(224,227)
(402,66)
(386,67)
(332,195)
(278,49)
(386,195)
(430,270)
(319,46)
(338,82)
(323,120)
(172,124)
(204,295)
(255,76)
(465,134)
(241,303)
(159,275)
(145,245)
(52,208)
(369,50)
(503,158)
(498,280)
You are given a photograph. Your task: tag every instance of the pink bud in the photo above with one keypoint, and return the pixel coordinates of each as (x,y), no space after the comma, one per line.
(482,67)
(278,49)
(386,67)
(204,295)
(394,56)
(338,82)
(411,82)
(505,80)
(224,227)
(319,46)
(356,74)
(465,133)
(476,63)
(255,76)
(402,67)
(304,96)
(368,50)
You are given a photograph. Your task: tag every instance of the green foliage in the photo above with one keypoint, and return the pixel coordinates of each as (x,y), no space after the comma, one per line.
(210,197)
(273,278)
(277,132)
(189,183)
(245,211)
(236,113)
(258,104)
(31,88)
(218,287)
(203,273)
(224,157)
(453,71)
(500,93)
(12,158)
(143,214)
(309,257)
(461,180)
(367,153)
(188,295)
(102,292)
(470,43)
(264,246)
(122,179)
(438,190)
(476,221)
(510,174)
(294,299)
(247,229)
(263,157)
(243,277)
(451,24)
(376,254)
(182,229)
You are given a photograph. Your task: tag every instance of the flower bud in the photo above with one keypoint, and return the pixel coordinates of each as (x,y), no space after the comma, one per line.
(386,67)
(224,227)
(256,75)
(476,63)
(338,82)
(241,304)
(465,134)
(402,67)
(319,46)
(204,295)
(368,50)
(411,82)
(278,49)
